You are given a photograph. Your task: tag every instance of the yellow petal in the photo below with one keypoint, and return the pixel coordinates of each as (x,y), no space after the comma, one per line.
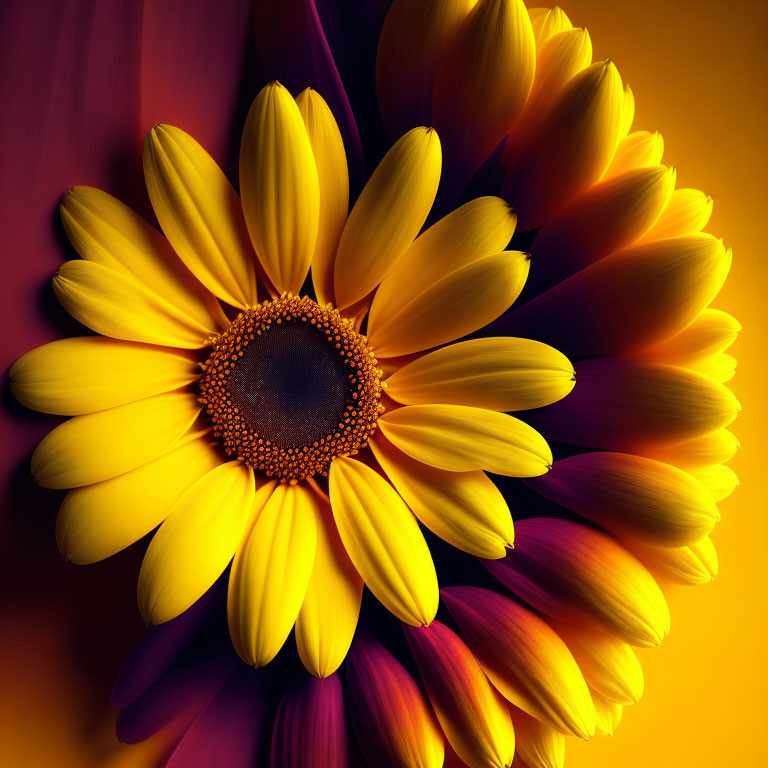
(479,228)
(501,374)
(465,509)
(328,617)
(712,331)
(571,147)
(333,180)
(459,438)
(628,112)
(271,572)
(117,305)
(716,447)
(720,367)
(384,542)
(97,446)
(461,302)
(104,230)
(482,84)
(537,744)
(91,373)
(688,211)
(388,214)
(200,214)
(412,43)
(608,715)
(719,480)
(637,150)
(194,545)
(609,665)
(690,566)
(96,521)
(280,187)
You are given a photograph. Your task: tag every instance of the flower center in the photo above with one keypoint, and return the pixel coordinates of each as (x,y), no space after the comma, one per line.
(289,386)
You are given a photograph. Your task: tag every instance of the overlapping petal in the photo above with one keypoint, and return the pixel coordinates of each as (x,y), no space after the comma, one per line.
(717,447)
(720,481)
(691,565)
(638,149)
(688,211)
(538,745)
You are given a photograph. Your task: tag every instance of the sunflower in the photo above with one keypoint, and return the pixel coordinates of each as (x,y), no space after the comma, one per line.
(302,428)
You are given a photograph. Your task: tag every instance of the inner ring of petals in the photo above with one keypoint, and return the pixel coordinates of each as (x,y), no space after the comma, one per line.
(291,385)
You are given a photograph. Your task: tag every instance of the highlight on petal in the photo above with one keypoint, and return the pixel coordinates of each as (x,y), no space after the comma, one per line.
(720,481)
(117,305)
(608,715)
(200,214)
(688,211)
(328,617)
(717,447)
(631,406)
(629,301)
(473,715)
(501,374)
(194,545)
(388,215)
(459,303)
(639,149)
(92,373)
(574,573)
(310,728)
(412,43)
(606,218)
(394,726)
(280,187)
(523,658)
(632,496)
(333,184)
(271,571)
(466,509)
(97,521)
(538,745)
(691,565)
(547,23)
(482,84)
(720,367)
(458,438)
(609,665)
(383,540)
(710,332)
(97,446)
(479,228)
(106,231)
(571,147)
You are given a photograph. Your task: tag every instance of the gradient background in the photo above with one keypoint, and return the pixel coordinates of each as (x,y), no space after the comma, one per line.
(698,73)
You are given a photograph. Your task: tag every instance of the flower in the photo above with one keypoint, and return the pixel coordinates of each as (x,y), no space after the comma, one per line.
(211,351)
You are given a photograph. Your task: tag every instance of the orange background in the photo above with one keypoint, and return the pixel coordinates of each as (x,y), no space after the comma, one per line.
(698,72)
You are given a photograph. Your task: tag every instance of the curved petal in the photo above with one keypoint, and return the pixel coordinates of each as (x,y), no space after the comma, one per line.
(114,304)
(194,545)
(108,232)
(500,374)
(717,447)
(280,188)
(413,41)
(692,565)
(628,301)
(548,22)
(200,214)
(632,497)
(461,302)
(333,181)
(271,571)
(720,481)
(388,215)
(608,715)
(574,573)
(473,715)
(524,658)
(482,84)
(465,509)
(539,745)
(393,724)
(458,438)
(688,211)
(97,446)
(479,228)
(328,617)
(90,373)
(383,540)
(98,520)
(637,150)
